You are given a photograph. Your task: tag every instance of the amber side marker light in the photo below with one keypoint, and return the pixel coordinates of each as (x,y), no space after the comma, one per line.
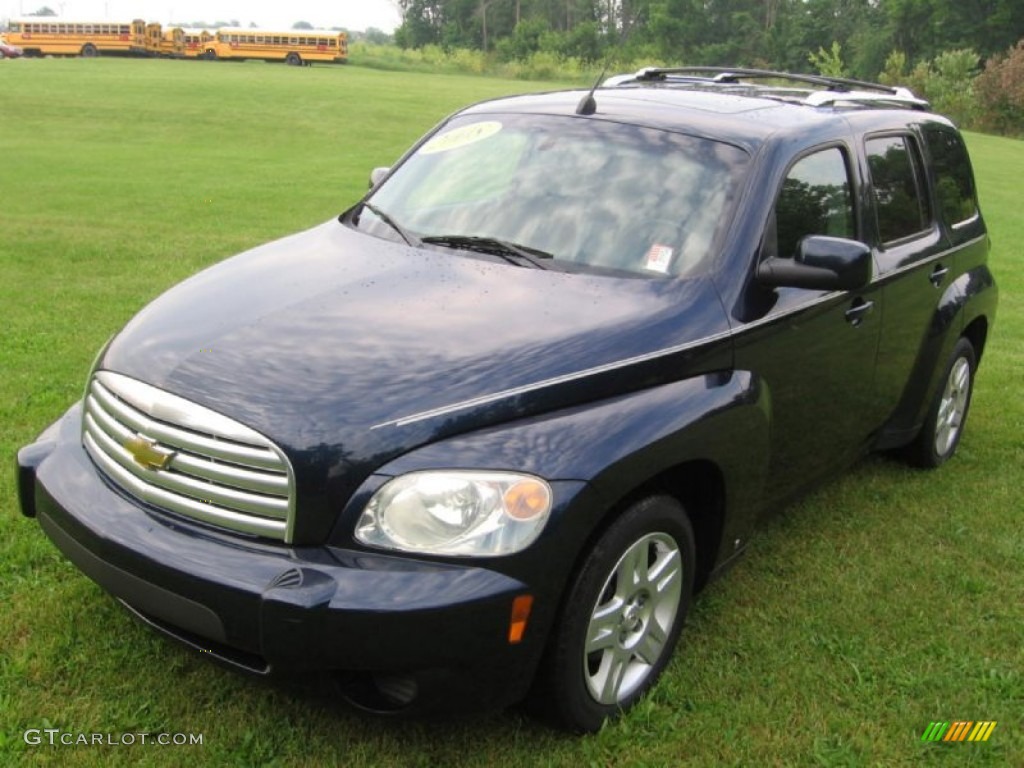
(521,606)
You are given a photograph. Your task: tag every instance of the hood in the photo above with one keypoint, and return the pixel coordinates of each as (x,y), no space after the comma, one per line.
(339,345)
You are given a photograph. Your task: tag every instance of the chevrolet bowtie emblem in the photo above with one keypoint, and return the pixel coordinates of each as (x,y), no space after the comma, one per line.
(147,453)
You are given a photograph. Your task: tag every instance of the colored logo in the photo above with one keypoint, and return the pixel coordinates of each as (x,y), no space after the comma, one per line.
(147,453)
(461,137)
(961,730)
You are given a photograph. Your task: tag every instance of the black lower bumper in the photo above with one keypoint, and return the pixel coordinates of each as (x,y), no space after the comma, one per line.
(436,629)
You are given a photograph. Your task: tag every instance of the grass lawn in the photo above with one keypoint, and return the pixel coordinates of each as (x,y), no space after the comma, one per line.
(888,599)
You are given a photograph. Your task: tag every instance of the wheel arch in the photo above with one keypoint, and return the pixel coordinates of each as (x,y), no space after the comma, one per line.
(966,310)
(977,333)
(699,485)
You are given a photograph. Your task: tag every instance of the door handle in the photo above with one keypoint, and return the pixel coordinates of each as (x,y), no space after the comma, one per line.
(938,275)
(856,313)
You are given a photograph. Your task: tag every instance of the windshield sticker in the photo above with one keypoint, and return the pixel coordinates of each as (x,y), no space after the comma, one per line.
(461,137)
(658,258)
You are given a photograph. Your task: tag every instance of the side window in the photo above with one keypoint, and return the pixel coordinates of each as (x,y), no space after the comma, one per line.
(900,202)
(815,199)
(954,182)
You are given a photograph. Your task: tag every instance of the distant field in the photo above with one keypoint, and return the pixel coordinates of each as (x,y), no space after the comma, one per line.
(886,600)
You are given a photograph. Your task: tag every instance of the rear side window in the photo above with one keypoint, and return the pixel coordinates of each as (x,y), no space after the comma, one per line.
(954,182)
(896,176)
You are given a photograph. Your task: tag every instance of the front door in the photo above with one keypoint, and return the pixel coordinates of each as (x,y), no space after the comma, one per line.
(815,350)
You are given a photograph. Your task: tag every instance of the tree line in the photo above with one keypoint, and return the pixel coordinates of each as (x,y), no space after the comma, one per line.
(775,33)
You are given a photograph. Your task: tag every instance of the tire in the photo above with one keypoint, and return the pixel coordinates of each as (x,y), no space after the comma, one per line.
(210,55)
(618,625)
(944,424)
(89,51)
(293,59)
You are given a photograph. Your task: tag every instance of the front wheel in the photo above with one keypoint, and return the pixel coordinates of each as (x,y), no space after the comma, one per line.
(89,51)
(621,618)
(293,60)
(944,424)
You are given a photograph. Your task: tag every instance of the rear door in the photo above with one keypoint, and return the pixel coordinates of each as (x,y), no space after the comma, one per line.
(914,262)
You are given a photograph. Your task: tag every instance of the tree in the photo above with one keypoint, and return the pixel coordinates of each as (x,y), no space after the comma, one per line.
(422,22)
(44,11)
(302,25)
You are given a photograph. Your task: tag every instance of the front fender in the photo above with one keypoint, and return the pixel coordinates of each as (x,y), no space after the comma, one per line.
(622,443)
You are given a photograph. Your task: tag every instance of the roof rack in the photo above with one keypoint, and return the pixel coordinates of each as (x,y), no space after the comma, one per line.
(833,91)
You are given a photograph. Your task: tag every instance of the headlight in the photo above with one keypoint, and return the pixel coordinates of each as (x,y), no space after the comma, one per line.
(456,513)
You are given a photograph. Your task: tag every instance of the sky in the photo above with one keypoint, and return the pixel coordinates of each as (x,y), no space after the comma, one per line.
(350,14)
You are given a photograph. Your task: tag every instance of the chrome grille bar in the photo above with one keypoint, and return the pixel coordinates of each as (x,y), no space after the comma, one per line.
(203,465)
(179,438)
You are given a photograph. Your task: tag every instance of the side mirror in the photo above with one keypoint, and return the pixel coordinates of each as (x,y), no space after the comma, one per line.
(823,263)
(377,175)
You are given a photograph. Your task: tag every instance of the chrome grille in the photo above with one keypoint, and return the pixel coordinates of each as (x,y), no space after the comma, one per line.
(187,459)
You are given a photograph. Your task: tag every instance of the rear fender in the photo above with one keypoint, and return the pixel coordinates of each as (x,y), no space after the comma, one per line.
(971,296)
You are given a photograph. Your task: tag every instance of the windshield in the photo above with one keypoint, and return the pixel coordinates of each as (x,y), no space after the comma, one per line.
(598,194)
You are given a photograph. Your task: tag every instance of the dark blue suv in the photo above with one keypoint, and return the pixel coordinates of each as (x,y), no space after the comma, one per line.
(485,434)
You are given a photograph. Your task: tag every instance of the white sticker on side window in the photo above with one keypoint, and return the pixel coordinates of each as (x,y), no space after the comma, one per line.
(460,137)
(659,258)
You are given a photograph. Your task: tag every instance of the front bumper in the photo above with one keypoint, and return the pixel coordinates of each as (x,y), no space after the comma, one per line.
(440,630)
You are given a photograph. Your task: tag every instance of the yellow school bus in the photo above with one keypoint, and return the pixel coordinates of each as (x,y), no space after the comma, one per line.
(154,38)
(43,36)
(172,43)
(294,46)
(195,42)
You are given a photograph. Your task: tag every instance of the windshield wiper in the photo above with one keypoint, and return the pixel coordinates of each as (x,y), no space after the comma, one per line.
(511,252)
(409,237)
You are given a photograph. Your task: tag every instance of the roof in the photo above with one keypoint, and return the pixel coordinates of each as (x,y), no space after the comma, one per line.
(827,90)
(726,106)
(278,32)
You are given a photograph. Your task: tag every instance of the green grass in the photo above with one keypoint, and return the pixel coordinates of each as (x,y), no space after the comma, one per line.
(887,599)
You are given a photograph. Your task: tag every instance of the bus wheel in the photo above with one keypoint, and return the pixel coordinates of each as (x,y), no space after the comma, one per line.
(210,55)
(293,60)
(89,51)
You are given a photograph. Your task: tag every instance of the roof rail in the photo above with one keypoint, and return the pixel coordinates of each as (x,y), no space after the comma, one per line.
(834,91)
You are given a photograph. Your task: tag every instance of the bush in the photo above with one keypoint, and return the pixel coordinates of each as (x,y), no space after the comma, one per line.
(895,70)
(947,82)
(992,101)
(429,58)
(525,40)
(829,63)
(1000,93)
(951,87)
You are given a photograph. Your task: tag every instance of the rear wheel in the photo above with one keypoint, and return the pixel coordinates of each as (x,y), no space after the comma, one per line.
(210,55)
(944,424)
(293,59)
(89,51)
(622,616)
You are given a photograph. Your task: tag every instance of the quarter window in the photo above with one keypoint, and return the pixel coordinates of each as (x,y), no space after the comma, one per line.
(900,203)
(954,183)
